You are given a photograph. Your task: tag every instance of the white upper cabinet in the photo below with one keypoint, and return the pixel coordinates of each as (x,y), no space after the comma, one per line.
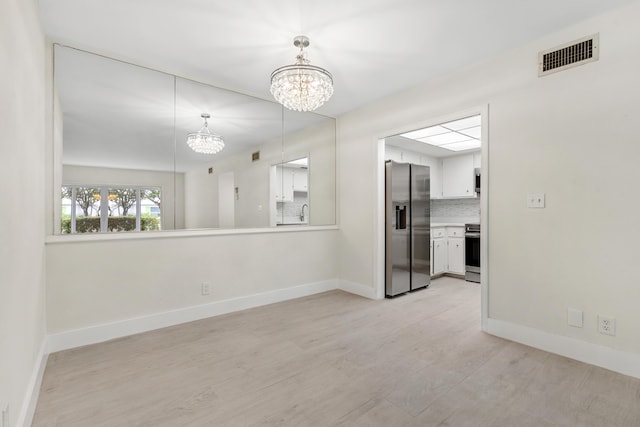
(458,177)
(300,180)
(477,160)
(450,177)
(435,175)
(435,166)
(284,184)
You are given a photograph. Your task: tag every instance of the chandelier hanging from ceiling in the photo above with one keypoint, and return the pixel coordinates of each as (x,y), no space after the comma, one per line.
(301,86)
(203,141)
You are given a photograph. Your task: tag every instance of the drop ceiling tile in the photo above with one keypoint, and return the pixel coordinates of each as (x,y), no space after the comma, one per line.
(463,145)
(423,133)
(474,132)
(445,138)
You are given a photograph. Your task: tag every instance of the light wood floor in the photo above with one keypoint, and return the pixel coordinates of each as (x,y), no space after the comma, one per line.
(333,359)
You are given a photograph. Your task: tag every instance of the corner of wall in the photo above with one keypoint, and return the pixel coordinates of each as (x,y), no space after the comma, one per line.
(357,289)
(606,357)
(30,401)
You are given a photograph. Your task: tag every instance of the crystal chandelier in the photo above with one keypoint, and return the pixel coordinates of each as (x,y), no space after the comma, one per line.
(301,86)
(203,141)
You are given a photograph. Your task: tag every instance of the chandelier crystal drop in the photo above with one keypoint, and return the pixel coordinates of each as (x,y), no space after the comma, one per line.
(203,141)
(301,86)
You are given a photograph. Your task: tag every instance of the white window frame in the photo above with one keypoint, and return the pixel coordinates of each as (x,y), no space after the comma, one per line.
(104,203)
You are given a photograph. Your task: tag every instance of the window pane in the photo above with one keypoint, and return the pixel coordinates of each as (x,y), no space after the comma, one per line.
(150,209)
(123,209)
(66,204)
(87,209)
(122,212)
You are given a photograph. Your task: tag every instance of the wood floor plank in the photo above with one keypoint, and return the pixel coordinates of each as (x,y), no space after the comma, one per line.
(333,359)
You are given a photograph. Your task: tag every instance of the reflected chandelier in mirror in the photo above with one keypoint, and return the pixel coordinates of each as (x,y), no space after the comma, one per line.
(122,128)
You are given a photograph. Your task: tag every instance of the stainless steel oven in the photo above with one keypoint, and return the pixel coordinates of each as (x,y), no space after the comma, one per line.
(472,252)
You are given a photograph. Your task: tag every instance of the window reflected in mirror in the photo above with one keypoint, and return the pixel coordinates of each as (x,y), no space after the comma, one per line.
(101,209)
(122,161)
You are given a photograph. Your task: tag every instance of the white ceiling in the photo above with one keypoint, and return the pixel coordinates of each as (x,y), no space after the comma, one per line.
(118,115)
(373,48)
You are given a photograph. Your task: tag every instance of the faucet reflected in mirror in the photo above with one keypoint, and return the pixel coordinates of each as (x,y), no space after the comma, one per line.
(290,187)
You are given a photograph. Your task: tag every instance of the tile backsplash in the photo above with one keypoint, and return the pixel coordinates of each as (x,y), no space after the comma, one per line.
(455,208)
(291,210)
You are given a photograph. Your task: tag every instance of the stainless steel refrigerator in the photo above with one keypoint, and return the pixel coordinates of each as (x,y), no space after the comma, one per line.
(408,224)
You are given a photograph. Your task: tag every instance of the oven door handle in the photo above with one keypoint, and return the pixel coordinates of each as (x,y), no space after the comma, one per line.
(472,235)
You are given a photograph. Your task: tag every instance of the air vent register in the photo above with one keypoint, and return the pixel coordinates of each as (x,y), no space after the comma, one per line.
(569,55)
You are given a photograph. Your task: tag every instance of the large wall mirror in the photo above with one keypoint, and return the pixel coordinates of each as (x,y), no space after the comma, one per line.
(124,163)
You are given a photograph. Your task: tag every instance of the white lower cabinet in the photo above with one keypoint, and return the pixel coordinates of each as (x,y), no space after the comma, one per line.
(438,256)
(447,250)
(455,252)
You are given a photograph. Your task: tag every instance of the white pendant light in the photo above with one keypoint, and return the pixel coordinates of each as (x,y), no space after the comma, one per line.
(203,141)
(301,86)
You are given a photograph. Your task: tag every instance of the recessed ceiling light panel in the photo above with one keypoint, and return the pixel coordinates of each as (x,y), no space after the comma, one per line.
(474,132)
(426,132)
(464,145)
(457,135)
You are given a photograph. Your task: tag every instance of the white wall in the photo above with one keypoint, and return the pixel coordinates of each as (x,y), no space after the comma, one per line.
(252,179)
(226,200)
(172,186)
(571,135)
(101,282)
(201,199)
(24,112)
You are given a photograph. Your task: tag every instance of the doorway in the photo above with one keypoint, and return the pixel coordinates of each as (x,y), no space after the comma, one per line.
(455,147)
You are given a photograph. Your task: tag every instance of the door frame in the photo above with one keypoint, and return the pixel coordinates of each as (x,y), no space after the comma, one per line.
(379,199)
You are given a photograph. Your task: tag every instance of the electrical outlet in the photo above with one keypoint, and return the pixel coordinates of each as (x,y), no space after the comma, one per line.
(535,200)
(607,325)
(4,419)
(205,288)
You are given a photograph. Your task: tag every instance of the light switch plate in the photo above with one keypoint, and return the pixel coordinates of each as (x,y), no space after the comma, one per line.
(574,317)
(535,200)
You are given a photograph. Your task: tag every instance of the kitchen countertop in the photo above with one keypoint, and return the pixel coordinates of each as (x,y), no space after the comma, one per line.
(447,224)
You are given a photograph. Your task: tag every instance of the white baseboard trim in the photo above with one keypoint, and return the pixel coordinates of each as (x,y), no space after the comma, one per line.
(108,331)
(28,409)
(605,357)
(357,289)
